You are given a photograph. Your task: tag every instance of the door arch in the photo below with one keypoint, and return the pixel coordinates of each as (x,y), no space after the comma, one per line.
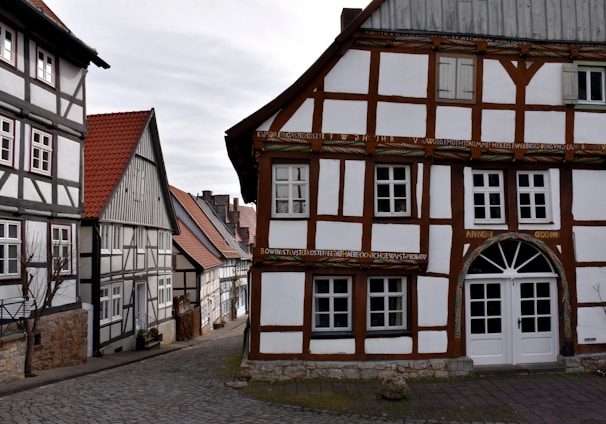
(521,272)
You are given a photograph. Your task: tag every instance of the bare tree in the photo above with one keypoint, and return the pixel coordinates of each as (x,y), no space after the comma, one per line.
(41,297)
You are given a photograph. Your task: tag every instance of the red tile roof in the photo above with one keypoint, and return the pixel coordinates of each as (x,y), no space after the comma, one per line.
(42,7)
(248,219)
(191,245)
(204,223)
(108,147)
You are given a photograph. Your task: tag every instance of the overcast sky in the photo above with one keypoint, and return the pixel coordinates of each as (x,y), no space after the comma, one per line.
(203,65)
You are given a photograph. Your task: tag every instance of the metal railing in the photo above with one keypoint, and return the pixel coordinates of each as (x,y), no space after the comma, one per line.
(12,310)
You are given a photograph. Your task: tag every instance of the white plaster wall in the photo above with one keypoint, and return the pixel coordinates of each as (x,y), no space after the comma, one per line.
(469,221)
(302,119)
(432,297)
(453,122)
(420,186)
(68,155)
(66,294)
(282,298)
(350,74)
(546,85)
(401,345)
(591,325)
(265,126)
(589,281)
(498,86)
(76,112)
(353,188)
(332,346)
(339,235)
(8,292)
(12,84)
(396,238)
(440,242)
(589,127)
(62,197)
(43,98)
(287,234)
(498,125)
(283,342)
(589,243)
(329,183)
(403,74)
(344,117)
(400,119)
(433,341)
(545,127)
(36,234)
(439,192)
(588,195)
(10,186)
(70,77)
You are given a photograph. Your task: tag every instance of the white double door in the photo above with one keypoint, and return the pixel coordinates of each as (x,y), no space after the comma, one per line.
(511,320)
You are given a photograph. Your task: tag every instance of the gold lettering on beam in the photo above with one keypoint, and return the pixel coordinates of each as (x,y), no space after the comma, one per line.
(478,234)
(547,234)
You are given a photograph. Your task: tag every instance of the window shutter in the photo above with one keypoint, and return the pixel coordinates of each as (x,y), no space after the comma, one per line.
(465,81)
(570,83)
(448,74)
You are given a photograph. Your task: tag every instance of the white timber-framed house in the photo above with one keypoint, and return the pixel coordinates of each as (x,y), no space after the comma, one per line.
(127,230)
(430,193)
(220,288)
(43,68)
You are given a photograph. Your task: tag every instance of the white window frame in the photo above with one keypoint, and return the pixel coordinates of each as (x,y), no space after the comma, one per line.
(7,140)
(165,292)
(116,240)
(393,198)
(41,152)
(45,67)
(105,304)
(534,193)
(141,239)
(456,78)
(7,44)
(330,311)
(116,302)
(111,238)
(61,241)
(387,309)
(587,71)
(164,241)
(10,249)
(296,180)
(488,193)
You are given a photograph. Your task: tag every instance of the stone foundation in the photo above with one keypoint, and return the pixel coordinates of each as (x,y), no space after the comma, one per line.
(586,363)
(63,340)
(367,370)
(12,358)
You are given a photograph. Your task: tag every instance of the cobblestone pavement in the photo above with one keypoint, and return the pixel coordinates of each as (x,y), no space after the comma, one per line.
(188,386)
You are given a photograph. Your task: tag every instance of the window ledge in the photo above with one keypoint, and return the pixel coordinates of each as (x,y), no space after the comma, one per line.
(387,333)
(332,335)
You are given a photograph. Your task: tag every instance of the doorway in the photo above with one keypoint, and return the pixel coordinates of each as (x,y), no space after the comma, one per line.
(140,306)
(511,306)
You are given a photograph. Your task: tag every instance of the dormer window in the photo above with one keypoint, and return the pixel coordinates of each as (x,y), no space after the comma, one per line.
(46,67)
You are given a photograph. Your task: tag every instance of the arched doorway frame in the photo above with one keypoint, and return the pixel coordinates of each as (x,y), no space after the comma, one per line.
(544,248)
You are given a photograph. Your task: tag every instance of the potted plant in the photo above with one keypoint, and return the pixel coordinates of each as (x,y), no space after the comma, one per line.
(155,334)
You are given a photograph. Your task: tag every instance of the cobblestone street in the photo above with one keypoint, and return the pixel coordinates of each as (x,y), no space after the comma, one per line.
(188,386)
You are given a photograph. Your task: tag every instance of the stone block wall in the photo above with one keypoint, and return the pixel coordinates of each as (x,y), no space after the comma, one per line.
(12,358)
(63,340)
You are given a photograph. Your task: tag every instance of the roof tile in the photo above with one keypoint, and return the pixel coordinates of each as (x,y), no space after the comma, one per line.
(190,244)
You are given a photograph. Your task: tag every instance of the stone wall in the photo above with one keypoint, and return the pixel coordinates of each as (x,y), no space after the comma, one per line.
(12,358)
(63,340)
(367,370)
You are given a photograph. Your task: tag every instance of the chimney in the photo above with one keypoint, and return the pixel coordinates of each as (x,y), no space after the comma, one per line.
(348,16)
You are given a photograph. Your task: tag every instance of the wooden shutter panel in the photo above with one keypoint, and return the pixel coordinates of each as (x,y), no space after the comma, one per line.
(570,83)
(447,75)
(465,82)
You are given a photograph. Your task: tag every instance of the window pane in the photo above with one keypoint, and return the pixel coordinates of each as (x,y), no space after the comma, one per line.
(478,180)
(523,180)
(322,304)
(341,304)
(477,326)
(395,319)
(525,198)
(399,173)
(478,199)
(377,320)
(322,321)
(340,286)
(525,212)
(376,285)
(596,86)
(377,304)
(539,180)
(395,285)
(382,173)
(494,325)
(395,303)
(582,85)
(322,286)
(341,321)
(382,190)
(527,307)
(476,291)
(494,180)
(477,309)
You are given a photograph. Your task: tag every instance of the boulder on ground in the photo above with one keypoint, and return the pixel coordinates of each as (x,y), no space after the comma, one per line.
(394,387)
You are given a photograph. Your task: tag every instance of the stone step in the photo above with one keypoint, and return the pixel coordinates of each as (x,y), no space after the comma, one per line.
(521,369)
(151,344)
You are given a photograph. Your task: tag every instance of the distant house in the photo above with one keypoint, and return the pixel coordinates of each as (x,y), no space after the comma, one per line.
(430,194)
(43,69)
(211,272)
(127,230)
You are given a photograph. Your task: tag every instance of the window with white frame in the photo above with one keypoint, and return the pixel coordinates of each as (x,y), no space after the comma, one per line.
(104,305)
(164,241)
(386,303)
(456,78)
(46,67)
(332,304)
(7,44)
(41,152)
(111,238)
(116,302)
(290,191)
(10,247)
(61,239)
(488,196)
(165,292)
(533,196)
(591,83)
(140,238)
(139,183)
(392,190)
(116,238)
(7,140)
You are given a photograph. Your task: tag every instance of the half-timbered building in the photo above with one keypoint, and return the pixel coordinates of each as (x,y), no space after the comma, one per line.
(430,193)
(42,128)
(127,229)
(219,282)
